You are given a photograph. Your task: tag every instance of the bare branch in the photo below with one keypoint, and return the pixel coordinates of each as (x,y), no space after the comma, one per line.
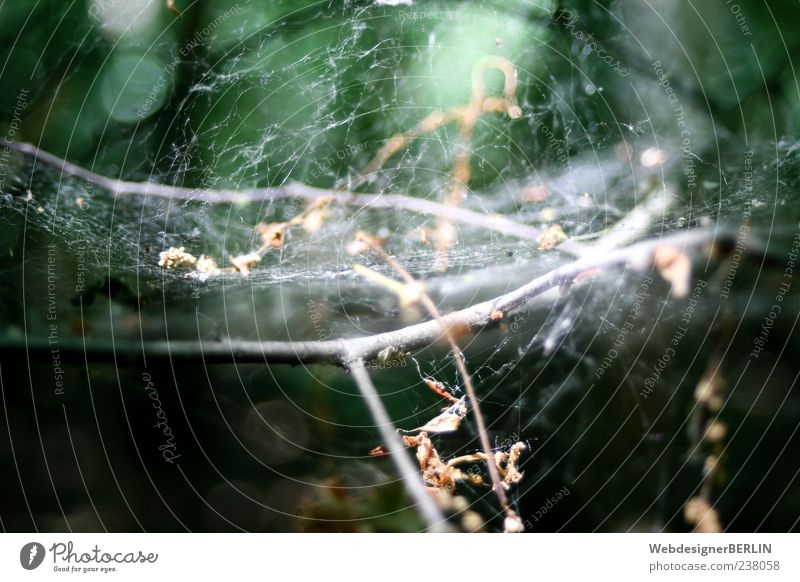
(340,351)
(433,517)
(289,190)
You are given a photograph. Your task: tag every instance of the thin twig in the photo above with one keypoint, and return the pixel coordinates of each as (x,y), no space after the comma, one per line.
(433,517)
(461,365)
(397,142)
(295,190)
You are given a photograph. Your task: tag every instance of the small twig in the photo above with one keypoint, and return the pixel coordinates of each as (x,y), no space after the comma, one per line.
(399,141)
(394,286)
(433,517)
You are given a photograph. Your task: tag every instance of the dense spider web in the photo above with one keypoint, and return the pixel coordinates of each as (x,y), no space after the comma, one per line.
(256,104)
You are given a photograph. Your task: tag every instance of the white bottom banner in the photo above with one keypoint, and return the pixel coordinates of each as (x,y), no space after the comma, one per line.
(406,557)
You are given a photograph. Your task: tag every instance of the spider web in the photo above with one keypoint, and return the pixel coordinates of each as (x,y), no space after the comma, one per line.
(246,95)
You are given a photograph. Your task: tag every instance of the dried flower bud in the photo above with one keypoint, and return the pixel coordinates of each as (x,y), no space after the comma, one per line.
(175,258)
(244,263)
(272,234)
(207,265)
(551,237)
(715,432)
(314,220)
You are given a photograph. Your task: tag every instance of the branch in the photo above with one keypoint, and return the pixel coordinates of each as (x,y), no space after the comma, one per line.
(433,517)
(652,210)
(298,190)
(342,351)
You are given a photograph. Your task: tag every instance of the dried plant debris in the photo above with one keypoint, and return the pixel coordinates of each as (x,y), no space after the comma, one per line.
(466,118)
(207,265)
(675,268)
(538,193)
(513,522)
(508,464)
(709,391)
(272,235)
(653,157)
(379,451)
(551,237)
(448,421)
(715,432)
(710,433)
(439,389)
(445,475)
(390,356)
(363,243)
(243,263)
(702,516)
(439,474)
(176,258)
(314,220)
